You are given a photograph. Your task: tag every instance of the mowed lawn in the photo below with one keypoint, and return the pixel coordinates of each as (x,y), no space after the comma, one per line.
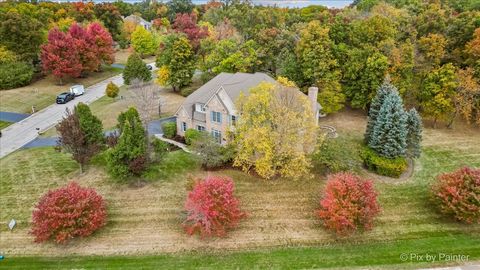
(4,124)
(107,109)
(42,93)
(281,230)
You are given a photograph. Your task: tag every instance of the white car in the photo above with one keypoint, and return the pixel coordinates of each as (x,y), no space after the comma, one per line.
(77,90)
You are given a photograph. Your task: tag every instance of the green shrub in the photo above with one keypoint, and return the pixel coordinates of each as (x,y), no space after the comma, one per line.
(160,148)
(136,69)
(15,74)
(112,90)
(337,155)
(169,129)
(191,135)
(382,165)
(187,91)
(212,154)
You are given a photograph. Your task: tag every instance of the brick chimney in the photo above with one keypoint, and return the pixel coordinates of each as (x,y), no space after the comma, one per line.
(312,96)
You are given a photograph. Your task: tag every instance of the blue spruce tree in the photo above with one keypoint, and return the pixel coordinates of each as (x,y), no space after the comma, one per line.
(389,134)
(414,136)
(375,106)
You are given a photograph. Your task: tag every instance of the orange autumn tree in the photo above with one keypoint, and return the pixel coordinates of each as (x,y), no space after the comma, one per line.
(467,97)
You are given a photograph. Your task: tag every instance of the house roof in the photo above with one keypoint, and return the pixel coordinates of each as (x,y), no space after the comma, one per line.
(233,84)
(136,19)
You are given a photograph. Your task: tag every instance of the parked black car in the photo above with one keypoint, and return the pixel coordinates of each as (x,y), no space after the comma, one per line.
(65,97)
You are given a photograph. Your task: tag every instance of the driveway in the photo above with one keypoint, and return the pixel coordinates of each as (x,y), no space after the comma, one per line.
(154,128)
(12,117)
(19,134)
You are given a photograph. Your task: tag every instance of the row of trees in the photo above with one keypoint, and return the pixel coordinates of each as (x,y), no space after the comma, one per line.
(347,53)
(430,48)
(348,204)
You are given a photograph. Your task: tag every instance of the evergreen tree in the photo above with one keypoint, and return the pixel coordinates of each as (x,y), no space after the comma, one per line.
(128,157)
(377,102)
(129,115)
(414,135)
(90,124)
(388,137)
(136,69)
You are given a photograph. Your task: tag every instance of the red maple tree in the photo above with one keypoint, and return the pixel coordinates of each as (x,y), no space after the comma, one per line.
(211,207)
(102,41)
(349,203)
(58,57)
(457,194)
(187,23)
(80,50)
(68,212)
(85,45)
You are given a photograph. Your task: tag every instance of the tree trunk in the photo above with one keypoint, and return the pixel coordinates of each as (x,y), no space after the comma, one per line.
(450,124)
(81,168)
(435,122)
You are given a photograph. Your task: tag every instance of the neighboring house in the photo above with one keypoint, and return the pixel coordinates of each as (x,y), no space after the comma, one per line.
(211,107)
(138,20)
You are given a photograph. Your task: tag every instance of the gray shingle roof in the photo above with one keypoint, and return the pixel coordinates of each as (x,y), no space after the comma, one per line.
(233,84)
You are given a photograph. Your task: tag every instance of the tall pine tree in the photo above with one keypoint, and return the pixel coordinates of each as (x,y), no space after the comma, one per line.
(414,135)
(388,137)
(90,124)
(130,153)
(136,69)
(375,106)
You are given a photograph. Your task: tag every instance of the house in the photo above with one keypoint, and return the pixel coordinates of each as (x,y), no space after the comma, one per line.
(138,20)
(211,107)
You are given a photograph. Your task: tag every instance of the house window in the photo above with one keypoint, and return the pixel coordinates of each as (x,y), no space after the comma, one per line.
(217,135)
(233,120)
(216,117)
(184,126)
(199,107)
(200,128)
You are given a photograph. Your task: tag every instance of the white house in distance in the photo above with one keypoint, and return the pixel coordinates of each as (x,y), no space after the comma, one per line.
(138,20)
(211,107)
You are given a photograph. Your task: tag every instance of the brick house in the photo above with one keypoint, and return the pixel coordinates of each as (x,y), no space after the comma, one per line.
(211,107)
(139,21)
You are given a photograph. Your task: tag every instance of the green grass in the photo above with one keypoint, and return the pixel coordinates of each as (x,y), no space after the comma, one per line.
(26,174)
(409,223)
(4,124)
(42,93)
(381,255)
(174,164)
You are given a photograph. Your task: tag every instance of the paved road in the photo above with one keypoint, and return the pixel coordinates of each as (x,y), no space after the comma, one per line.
(17,135)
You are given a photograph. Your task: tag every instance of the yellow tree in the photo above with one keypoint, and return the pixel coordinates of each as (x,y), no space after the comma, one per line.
(143,42)
(433,48)
(467,97)
(276,131)
(472,49)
